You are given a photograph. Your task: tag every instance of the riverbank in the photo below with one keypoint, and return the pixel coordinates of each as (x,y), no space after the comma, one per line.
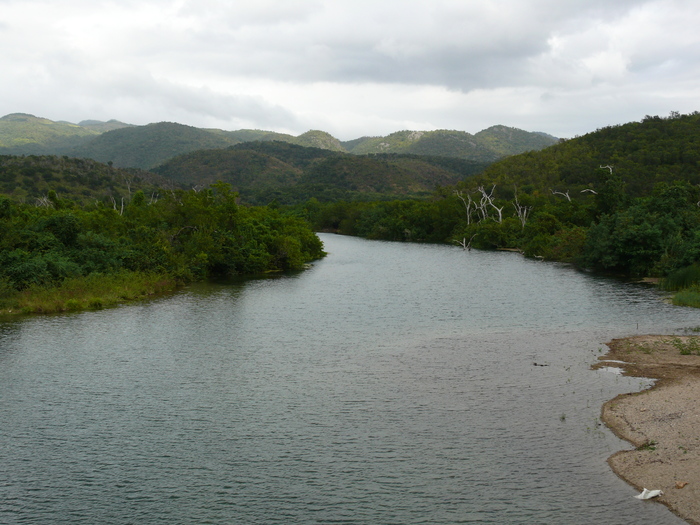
(92,292)
(663,422)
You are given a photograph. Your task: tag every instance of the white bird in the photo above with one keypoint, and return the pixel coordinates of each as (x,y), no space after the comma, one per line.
(648,494)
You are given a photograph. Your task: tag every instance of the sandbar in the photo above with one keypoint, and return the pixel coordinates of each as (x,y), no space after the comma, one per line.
(662,422)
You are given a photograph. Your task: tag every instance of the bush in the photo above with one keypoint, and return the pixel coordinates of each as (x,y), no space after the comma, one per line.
(680,279)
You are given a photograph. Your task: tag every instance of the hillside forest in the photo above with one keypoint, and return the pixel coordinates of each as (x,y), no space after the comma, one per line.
(623,200)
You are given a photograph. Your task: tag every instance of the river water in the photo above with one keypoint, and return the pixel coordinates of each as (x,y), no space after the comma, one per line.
(388,384)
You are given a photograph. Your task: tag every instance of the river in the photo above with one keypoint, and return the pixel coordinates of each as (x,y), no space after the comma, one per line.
(387,384)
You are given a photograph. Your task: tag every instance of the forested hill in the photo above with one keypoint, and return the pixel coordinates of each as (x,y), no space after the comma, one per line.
(488,145)
(623,199)
(263,172)
(641,153)
(21,133)
(31,178)
(148,146)
(144,147)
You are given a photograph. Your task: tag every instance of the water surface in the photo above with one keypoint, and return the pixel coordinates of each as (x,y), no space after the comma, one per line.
(389,383)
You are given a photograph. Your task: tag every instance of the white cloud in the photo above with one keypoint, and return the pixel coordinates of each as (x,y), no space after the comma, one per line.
(352,68)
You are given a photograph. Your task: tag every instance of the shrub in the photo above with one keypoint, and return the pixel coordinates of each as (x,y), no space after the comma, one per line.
(681,279)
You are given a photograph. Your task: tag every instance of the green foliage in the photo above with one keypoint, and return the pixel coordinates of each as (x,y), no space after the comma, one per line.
(622,200)
(263,172)
(689,346)
(63,181)
(688,297)
(184,235)
(641,155)
(682,278)
(21,133)
(89,292)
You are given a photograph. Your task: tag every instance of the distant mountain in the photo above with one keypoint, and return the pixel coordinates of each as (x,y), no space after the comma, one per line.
(505,141)
(486,146)
(101,127)
(319,139)
(312,138)
(21,133)
(145,147)
(251,135)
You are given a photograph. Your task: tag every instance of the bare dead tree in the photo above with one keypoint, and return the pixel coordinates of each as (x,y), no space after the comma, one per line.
(468,204)
(466,245)
(114,205)
(487,199)
(589,190)
(608,167)
(560,193)
(44,202)
(521,211)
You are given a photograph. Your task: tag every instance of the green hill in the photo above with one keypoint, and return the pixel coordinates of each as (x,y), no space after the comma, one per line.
(641,153)
(505,141)
(267,171)
(251,135)
(319,139)
(21,133)
(101,127)
(147,146)
(246,170)
(84,181)
(311,139)
(486,146)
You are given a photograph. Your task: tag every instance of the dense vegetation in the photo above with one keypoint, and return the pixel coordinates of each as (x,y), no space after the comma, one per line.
(64,256)
(145,147)
(26,134)
(485,146)
(623,200)
(266,172)
(29,179)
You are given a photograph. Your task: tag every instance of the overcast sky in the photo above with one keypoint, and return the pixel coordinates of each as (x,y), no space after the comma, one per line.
(352,67)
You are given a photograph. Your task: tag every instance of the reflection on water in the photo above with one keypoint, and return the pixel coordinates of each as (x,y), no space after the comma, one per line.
(390,383)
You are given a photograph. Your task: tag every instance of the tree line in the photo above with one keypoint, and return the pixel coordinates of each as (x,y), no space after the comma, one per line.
(179,236)
(623,200)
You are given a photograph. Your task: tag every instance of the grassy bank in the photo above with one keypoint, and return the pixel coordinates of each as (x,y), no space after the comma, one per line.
(85,293)
(689,297)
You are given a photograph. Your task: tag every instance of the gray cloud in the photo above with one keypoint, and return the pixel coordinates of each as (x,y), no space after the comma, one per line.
(554,66)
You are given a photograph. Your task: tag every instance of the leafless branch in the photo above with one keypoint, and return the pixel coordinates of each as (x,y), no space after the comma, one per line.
(560,193)
(521,211)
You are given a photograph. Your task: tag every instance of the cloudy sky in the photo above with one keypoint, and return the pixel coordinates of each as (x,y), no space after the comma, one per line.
(352,67)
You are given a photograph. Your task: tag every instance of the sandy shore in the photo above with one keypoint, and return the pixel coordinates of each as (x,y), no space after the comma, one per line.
(663,423)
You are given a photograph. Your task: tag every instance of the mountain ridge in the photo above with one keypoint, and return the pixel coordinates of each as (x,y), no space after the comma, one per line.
(120,143)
